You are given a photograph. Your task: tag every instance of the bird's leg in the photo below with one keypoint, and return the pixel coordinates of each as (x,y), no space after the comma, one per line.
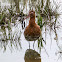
(29,45)
(33,45)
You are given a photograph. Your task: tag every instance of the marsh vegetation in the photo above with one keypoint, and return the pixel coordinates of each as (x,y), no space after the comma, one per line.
(12,14)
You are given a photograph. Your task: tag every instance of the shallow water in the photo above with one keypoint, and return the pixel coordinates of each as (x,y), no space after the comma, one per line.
(15,54)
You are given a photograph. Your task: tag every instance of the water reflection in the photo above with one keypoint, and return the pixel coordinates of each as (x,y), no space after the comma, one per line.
(11,26)
(10,36)
(32,56)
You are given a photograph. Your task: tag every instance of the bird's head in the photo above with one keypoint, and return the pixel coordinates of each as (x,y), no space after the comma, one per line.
(32,14)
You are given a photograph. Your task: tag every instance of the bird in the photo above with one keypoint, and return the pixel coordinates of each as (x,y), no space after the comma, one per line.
(32,31)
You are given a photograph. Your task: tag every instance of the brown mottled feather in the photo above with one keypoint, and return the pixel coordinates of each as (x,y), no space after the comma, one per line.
(32,31)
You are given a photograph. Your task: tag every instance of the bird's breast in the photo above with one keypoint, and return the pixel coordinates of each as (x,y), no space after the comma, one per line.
(32,33)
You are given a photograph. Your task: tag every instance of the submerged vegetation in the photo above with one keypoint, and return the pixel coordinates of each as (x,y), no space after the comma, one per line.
(46,15)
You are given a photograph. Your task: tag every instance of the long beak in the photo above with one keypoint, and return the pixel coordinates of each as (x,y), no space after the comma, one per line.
(27,16)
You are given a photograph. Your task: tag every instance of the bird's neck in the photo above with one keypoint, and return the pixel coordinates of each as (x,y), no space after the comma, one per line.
(32,21)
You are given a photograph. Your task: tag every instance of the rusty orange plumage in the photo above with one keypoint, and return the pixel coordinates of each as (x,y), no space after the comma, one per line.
(32,31)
